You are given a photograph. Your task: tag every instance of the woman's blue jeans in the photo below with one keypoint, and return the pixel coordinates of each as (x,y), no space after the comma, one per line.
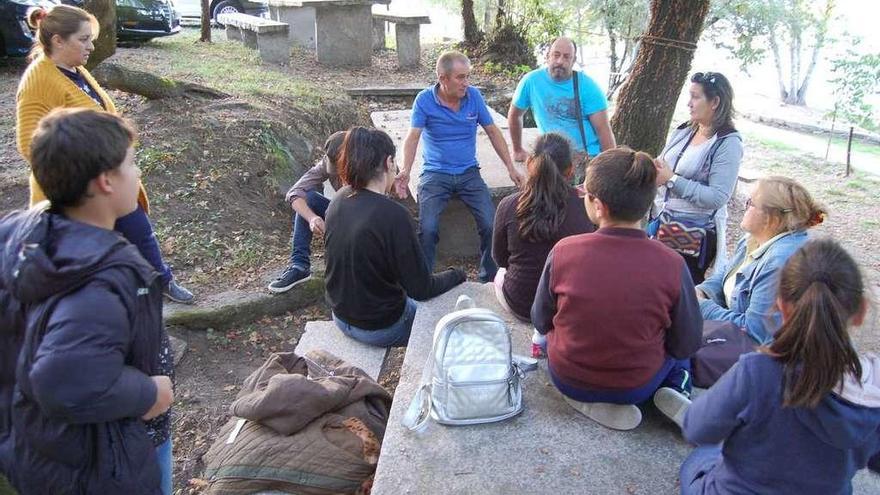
(137,229)
(396,335)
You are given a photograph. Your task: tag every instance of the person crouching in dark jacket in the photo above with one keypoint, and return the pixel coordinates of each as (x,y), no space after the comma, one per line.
(88,373)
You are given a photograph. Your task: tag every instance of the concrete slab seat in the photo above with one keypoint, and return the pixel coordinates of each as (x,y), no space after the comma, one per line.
(267,36)
(458,231)
(548,449)
(406,28)
(325,335)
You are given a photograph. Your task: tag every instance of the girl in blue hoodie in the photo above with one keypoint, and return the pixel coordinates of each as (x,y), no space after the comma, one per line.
(802,415)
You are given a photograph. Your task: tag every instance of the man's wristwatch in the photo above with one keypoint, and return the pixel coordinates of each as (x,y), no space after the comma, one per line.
(671,182)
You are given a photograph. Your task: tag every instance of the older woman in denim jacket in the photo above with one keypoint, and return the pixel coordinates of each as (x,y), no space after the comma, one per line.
(777,217)
(698,168)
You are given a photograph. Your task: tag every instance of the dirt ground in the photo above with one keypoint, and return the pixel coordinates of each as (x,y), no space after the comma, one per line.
(223,223)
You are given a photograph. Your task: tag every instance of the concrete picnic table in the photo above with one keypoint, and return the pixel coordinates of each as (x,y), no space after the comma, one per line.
(338,30)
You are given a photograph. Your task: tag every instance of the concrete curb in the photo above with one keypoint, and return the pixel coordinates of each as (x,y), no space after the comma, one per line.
(231,308)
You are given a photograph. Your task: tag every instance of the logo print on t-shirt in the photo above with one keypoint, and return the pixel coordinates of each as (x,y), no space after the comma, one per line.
(562,108)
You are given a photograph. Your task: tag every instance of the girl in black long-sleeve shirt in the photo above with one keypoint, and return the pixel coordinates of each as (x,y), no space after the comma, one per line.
(375,266)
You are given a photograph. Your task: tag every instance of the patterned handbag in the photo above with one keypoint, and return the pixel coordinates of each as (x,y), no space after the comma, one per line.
(679,235)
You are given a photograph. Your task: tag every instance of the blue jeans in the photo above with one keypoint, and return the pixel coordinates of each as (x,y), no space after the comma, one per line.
(166,461)
(397,335)
(301,239)
(674,373)
(695,467)
(435,190)
(137,229)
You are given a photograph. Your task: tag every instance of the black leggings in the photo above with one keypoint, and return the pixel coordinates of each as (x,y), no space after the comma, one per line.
(699,274)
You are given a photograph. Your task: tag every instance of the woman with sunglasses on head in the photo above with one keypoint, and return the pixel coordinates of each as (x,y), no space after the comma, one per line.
(802,415)
(698,167)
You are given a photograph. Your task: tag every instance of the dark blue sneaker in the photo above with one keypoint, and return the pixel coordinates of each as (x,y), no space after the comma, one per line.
(291,277)
(178,293)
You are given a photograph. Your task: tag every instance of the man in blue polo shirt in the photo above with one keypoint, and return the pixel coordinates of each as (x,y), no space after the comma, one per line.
(447,115)
(549,92)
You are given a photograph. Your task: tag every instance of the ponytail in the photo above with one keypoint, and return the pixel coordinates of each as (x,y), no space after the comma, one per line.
(822,285)
(540,209)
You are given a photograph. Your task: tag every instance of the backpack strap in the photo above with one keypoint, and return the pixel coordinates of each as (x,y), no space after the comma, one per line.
(577,108)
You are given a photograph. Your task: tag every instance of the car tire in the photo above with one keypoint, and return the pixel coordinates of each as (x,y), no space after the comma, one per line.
(226,7)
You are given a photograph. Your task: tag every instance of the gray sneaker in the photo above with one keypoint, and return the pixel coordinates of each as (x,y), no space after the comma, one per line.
(614,416)
(291,277)
(178,293)
(672,403)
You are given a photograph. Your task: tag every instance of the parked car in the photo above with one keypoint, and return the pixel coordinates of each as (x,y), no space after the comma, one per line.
(16,38)
(142,20)
(191,10)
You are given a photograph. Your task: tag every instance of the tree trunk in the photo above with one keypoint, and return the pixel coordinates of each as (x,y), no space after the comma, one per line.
(777,61)
(206,22)
(822,32)
(472,34)
(114,76)
(105,43)
(647,99)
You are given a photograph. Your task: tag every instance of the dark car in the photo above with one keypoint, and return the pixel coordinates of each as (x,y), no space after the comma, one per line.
(141,20)
(17,38)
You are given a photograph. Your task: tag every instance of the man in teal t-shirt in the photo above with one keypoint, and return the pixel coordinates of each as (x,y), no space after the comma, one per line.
(549,92)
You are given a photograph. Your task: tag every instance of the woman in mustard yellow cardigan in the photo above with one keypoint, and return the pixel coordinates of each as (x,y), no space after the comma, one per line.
(56,78)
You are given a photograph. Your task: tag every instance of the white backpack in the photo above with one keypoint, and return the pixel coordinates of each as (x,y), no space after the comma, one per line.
(471,376)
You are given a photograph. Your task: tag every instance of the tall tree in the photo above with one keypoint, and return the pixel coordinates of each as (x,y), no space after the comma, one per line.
(472,33)
(105,43)
(795,31)
(647,99)
(206,21)
(623,21)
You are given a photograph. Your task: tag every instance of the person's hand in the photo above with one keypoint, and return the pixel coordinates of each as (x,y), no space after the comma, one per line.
(520,155)
(517,178)
(664,173)
(164,397)
(401,184)
(316,225)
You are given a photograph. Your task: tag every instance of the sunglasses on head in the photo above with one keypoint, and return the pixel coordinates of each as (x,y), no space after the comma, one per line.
(704,77)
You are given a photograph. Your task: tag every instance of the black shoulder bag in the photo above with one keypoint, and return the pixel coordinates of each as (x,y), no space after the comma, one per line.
(581,166)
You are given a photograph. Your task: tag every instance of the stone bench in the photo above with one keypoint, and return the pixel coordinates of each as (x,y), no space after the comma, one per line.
(549,448)
(406,29)
(458,231)
(325,335)
(267,36)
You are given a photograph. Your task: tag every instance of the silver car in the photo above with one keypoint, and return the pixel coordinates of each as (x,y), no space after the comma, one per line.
(191,10)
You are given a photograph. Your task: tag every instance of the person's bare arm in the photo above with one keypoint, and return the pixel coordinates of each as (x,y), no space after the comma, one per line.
(500,145)
(602,126)
(515,124)
(316,223)
(410,145)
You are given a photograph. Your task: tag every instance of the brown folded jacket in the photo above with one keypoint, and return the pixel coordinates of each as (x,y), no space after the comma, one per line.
(314,426)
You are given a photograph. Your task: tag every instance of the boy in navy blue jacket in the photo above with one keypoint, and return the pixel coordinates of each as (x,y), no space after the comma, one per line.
(91,369)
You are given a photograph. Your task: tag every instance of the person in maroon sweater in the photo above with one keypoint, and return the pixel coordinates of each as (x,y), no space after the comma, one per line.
(619,310)
(529,222)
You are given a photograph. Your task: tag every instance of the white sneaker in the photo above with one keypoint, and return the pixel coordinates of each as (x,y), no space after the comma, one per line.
(614,416)
(672,403)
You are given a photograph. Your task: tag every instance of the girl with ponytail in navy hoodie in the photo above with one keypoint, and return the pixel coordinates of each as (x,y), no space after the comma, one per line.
(801,415)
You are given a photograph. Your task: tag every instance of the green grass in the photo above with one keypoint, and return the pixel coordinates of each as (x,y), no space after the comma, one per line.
(873,149)
(232,68)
